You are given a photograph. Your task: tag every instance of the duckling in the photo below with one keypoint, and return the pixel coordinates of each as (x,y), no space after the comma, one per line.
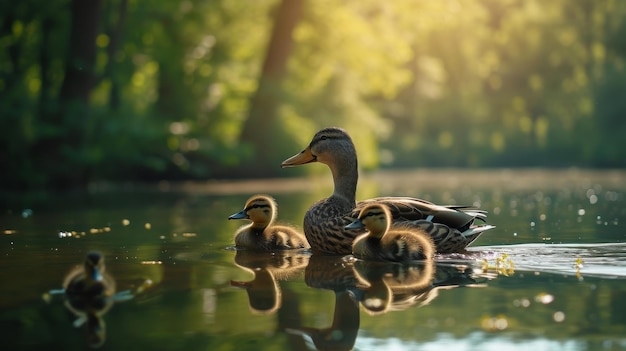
(262,234)
(89,281)
(89,293)
(381,242)
(325,221)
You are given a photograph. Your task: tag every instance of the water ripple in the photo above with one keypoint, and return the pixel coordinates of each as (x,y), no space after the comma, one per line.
(606,260)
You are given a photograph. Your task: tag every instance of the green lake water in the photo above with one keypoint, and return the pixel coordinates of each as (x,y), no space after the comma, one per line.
(550,276)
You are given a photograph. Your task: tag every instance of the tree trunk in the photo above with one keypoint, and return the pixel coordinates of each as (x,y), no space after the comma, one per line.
(115,34)
(264,104)
(62,154)
(79,73)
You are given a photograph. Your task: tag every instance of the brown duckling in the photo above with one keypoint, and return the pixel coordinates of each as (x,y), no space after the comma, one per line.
(89,281)
(262,233)
(381,242)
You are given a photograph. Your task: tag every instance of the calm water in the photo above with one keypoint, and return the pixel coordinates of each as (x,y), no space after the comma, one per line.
(551,276)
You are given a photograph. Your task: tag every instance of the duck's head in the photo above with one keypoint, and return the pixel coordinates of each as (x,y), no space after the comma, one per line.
(94,266)
(329,146)
(375,218)
(260,209)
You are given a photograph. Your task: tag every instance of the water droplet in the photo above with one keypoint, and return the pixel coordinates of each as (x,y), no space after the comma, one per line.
(544,298)
(27,213)
(125,222)
(581,212)
(514,234)
(521,302)
(542,217)
(593,199)
(532,224)
(494,323)
(558,316)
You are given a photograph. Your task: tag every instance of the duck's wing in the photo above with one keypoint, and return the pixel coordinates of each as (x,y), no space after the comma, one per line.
(412,209)
(470,210)
(448,239)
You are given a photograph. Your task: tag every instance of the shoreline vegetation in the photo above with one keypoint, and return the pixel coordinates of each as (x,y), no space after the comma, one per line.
(131,91)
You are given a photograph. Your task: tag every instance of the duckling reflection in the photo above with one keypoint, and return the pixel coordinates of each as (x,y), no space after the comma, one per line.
(262,233)
(89,294)
(96,330)
(264,292)
(461,274)
(392,287)
(333,273)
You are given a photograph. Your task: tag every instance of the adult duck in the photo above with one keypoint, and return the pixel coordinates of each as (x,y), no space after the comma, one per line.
(262,233)
(325,221)
(383,243)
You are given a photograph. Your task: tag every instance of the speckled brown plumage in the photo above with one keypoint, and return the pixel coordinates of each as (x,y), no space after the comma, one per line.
(324,223)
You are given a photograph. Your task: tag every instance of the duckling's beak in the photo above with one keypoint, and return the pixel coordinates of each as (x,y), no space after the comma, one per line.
(96,275)
(239,215)
(355,225)
(305,156)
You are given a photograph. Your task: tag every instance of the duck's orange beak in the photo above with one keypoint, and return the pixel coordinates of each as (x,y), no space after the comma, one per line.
(299,159)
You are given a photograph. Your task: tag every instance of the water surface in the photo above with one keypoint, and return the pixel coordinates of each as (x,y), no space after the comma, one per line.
(549,277)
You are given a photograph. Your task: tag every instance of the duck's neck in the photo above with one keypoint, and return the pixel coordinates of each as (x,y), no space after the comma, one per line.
(259,224)
(345,176)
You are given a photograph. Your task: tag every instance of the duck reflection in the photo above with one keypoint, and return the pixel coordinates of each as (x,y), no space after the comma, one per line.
(89,293)
(341,334)
(264,292)
(333,273)
(379,287)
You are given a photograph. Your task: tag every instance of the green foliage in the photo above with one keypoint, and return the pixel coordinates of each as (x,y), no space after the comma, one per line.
(417,83)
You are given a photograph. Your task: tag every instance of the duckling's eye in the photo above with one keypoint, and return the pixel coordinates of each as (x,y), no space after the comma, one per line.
(323,137)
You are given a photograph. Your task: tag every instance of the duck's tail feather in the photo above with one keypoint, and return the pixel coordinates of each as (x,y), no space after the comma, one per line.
(474,231)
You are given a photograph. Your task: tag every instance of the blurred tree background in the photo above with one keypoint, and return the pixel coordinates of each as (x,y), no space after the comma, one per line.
(129,90)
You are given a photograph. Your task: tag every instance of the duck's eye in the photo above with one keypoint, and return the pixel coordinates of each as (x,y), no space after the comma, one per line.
(324,137)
